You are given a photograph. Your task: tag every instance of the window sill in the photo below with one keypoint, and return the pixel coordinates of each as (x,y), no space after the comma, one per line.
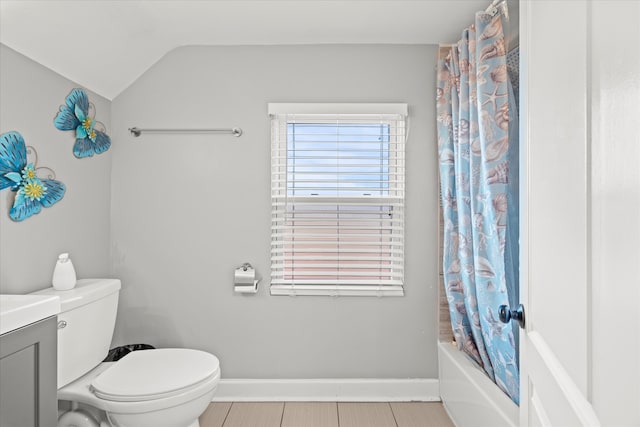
(338,291)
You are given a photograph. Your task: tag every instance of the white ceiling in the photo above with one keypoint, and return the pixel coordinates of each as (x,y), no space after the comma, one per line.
(106,45)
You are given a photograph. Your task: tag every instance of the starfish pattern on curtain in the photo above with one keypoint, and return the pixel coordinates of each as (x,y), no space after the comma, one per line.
(478,156)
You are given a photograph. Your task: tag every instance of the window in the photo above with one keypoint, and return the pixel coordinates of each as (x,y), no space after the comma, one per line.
(337,192)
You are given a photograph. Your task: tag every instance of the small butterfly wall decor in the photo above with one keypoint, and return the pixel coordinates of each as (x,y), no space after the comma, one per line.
(21,176)
(78,114)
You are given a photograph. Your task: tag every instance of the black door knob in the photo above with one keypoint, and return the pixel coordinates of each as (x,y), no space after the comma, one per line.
(506,315)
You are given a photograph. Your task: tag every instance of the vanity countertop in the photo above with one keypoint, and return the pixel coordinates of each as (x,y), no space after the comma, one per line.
(17,311)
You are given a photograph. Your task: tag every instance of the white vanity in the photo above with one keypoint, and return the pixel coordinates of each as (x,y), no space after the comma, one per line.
(28,346)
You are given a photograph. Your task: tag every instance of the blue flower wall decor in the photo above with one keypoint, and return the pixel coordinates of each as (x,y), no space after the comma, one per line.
(78,114)
(32,192)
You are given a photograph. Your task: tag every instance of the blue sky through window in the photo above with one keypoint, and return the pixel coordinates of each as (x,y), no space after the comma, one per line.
(338,159)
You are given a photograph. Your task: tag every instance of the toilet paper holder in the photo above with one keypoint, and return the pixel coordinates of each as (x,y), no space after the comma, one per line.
(245,279)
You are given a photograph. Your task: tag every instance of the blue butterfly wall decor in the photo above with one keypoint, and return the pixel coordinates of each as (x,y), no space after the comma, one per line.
(32,192)
(78,114)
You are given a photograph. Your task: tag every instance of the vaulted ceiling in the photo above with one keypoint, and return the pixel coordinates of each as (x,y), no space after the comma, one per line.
(106,45)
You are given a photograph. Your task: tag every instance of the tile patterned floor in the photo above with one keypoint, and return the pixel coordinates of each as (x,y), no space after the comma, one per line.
(325,414)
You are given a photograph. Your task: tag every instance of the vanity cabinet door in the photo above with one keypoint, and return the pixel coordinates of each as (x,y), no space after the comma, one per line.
(28,376)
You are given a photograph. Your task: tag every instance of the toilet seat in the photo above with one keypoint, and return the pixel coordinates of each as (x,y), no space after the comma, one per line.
(154,374)
(161,412)
(80,391)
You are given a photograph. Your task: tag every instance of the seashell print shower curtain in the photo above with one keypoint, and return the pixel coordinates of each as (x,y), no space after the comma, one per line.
(478,158)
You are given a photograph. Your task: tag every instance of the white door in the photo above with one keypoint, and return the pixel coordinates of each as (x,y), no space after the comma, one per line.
(567,225)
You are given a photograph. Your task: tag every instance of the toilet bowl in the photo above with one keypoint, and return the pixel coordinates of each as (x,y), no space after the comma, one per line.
(168,387)
(160,388)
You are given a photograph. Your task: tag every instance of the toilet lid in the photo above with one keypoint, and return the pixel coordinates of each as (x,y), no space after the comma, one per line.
(153,374)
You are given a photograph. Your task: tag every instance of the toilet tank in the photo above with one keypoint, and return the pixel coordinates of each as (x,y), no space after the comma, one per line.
(85,325)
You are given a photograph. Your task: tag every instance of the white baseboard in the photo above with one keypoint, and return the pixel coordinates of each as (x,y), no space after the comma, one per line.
(332,390)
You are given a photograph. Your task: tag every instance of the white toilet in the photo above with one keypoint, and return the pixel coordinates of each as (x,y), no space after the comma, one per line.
(168,387)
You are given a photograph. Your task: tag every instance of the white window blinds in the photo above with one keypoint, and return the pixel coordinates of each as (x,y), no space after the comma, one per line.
(337,193)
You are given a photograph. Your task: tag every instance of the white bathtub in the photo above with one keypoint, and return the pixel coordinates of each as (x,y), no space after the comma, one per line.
(469,396)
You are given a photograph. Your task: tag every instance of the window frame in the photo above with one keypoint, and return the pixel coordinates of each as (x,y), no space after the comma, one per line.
(397,116)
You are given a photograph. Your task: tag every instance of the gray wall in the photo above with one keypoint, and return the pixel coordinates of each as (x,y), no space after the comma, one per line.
(186,210)
(79,224)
